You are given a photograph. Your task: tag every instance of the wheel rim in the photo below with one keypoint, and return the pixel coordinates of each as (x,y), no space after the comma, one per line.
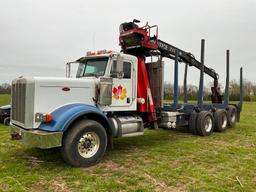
(88,144)
(233,117)
(208,124)
(224,121)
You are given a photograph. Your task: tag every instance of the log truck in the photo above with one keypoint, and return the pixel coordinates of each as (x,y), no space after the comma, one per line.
(116,94)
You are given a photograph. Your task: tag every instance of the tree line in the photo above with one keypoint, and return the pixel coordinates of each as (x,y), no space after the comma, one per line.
(5,88)
(234,91)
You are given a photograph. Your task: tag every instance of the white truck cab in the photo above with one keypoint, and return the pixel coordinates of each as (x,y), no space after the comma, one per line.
(80,114)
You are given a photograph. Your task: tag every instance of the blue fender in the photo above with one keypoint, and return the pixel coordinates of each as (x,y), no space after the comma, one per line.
(67,114)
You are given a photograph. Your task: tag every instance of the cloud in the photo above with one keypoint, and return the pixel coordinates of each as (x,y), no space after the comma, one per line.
(39,37)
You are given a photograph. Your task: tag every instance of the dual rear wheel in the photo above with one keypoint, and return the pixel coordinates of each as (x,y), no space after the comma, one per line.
(232,116)
(220,120)
(203,123)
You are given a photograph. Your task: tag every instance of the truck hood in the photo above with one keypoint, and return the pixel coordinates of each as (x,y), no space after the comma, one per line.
(46,94)
(51,92)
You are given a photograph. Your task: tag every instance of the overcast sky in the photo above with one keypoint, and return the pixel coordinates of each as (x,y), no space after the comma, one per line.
(38,37)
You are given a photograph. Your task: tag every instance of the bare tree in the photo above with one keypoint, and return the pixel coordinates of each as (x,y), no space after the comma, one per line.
(5,88)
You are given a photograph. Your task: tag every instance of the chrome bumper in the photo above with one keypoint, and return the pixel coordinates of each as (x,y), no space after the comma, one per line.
(37,138)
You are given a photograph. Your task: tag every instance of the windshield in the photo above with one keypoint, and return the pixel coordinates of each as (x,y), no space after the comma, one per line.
(92,67)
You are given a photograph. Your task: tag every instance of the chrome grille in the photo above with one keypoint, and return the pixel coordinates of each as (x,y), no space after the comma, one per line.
(18,100)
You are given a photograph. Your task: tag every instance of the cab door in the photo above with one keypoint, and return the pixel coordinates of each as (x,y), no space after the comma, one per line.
(123,89)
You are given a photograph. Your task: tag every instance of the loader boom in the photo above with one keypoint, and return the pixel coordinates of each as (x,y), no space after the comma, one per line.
(139,41)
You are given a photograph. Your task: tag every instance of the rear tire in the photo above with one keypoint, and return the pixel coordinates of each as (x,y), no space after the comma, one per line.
(204,123)
(232,116)
(192,122)
(84,144)
(220,120)
(7,121)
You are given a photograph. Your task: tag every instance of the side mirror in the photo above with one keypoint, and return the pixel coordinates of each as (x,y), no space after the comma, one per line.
(68,70)
(118,67)
(73,69)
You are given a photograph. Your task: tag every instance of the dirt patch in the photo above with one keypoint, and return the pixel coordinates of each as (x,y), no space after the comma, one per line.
(33,161)
(105,168)
(59,186)
(110,165)
(162,186)
(39,186)
(249,145)
(56,185)
(4,187)
(219,142)
(254,179)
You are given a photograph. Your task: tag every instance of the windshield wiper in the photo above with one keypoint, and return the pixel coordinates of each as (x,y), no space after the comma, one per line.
(91,75)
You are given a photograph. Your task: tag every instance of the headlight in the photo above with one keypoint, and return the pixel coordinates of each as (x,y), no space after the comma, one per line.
(43,117)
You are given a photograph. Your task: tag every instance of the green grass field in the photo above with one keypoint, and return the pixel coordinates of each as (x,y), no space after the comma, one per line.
(4,99)
(161,160)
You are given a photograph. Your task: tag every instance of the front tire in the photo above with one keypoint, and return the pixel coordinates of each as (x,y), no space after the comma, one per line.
(84,144)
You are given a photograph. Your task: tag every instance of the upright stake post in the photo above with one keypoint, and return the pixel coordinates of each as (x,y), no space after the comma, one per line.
(185,84)
(241,90)
(201,83)
(226,97)
(176,88)
(240,104)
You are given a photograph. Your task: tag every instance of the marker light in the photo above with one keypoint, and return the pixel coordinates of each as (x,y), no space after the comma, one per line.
(100,52)
(44,118)
(90,53)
